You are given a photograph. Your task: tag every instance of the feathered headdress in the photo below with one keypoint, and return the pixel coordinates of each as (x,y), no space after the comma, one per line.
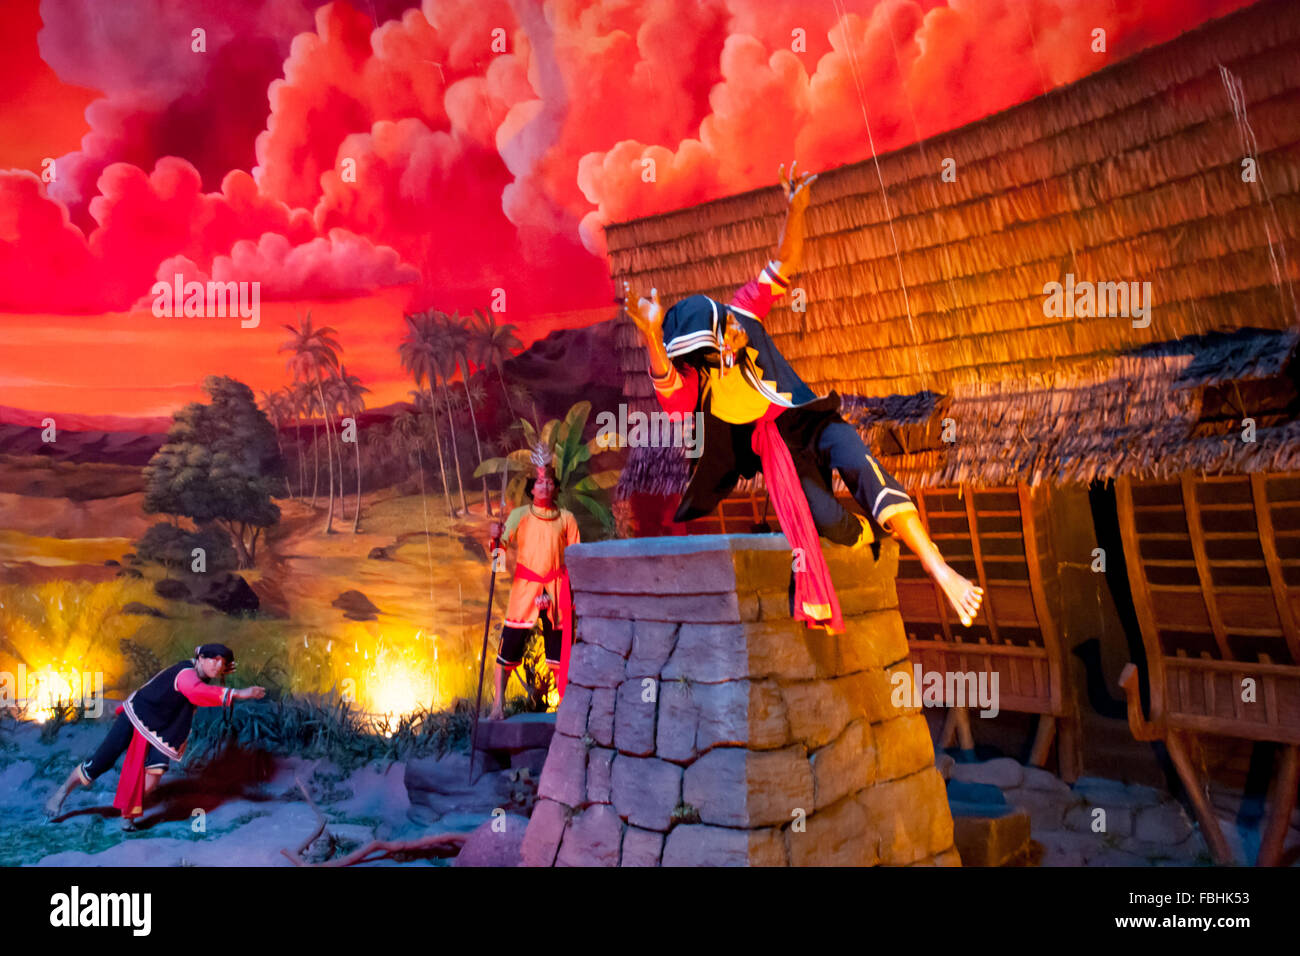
(542,458)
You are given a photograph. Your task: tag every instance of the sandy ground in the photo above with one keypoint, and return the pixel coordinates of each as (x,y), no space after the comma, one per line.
(238,812)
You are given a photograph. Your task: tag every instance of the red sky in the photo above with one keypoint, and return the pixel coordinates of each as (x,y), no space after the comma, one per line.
(482,161)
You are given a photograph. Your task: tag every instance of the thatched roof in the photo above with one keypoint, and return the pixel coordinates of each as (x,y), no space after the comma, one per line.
(1133,173)
(1145,414)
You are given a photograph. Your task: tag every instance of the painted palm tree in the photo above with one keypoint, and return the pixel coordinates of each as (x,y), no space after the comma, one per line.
(276,409)
(418,351)
(522,397)
(445,368)
(408,430)
(313,353)
(460,338)
(334,398)
(307,405)
(293,403)
(491,345)
(351,393)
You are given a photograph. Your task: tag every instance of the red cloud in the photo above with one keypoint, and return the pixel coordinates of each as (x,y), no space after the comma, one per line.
(484,168)
(340,266)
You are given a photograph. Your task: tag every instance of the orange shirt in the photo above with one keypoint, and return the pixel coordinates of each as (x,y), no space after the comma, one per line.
(540,537)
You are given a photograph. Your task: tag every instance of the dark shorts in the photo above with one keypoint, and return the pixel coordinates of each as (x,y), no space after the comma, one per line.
(515,639)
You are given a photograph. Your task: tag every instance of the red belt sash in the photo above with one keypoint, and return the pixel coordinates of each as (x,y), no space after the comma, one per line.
(130,784)
(813,587)
(561,614)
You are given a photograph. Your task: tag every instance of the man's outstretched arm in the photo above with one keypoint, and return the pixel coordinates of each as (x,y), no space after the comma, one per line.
(789,252)
(759,294)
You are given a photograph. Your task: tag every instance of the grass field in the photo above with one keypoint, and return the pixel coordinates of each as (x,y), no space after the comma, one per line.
(421,650)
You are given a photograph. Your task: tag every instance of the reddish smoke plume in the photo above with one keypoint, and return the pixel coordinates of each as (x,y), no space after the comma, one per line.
(490,140)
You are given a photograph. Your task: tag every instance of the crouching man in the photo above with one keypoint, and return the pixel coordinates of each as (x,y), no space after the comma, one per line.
(153,726)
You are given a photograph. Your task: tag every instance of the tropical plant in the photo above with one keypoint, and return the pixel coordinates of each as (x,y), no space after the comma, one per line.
(574,483)
(313,352)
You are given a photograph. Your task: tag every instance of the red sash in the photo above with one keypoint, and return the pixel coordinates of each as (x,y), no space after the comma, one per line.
(815,600)
(130,785)
(561,615)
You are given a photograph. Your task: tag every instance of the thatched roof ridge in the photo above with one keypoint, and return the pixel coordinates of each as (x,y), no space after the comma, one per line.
(1140,414)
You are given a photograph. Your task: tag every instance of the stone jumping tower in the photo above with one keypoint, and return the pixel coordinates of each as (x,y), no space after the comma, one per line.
(703,726)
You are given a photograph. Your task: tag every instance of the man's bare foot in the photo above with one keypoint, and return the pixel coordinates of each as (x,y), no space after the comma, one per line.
(55,803)
(964,597)
(497,714)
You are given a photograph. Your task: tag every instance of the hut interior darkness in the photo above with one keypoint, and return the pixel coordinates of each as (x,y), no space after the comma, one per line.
(1120,473)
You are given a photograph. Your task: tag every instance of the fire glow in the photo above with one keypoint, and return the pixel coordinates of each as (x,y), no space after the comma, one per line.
(399,681)
(50,689)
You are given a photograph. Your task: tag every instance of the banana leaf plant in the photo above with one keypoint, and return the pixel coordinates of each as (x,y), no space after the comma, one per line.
(575,485)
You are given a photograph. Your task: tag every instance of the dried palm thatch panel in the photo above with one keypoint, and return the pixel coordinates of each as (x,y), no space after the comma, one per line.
(1131,174)
(1142,414)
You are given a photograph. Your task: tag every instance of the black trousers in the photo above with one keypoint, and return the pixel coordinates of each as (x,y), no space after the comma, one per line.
(515,639)
(880,495)
(114,745)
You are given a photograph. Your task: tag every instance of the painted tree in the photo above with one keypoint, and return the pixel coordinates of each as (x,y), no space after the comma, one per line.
(491,344)
(296,405)
(459,340)
(273,404)
(334,399)
(445,368)
(313,354)
(419,359)
(351,400)
(219,466)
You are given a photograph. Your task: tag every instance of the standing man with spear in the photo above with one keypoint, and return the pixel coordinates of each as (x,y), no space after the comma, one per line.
(540,531)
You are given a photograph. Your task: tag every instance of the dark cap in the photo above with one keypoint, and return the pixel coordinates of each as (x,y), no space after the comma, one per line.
(217,650)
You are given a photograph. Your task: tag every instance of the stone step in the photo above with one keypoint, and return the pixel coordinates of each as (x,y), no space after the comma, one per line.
(520,732)
(988,836)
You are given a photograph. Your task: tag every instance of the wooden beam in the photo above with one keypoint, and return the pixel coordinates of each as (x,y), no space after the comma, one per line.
(1210,830)
(965,739)
(1268,541)
(1197,534)
(1067,749)
(1046,620)
(939,597)
(1043,738)
(1280,804)
(1141,592)
(949,732)
(1138,725)
(989,616)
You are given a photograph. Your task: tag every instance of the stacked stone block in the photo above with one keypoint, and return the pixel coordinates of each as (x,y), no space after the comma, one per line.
(703,726)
